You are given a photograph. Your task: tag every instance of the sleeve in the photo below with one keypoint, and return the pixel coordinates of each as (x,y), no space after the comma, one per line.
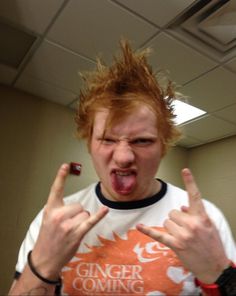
(28,242)
(224,230)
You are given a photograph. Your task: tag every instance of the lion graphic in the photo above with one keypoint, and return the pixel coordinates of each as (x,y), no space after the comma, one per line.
(136,265)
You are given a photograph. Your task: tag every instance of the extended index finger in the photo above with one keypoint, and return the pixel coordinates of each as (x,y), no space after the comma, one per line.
(196,205)
(57,190)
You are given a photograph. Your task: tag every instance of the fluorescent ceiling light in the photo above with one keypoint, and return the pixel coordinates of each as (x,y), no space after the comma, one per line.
(185,112)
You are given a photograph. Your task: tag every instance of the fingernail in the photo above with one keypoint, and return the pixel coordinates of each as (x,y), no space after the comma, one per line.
(87,212)
(105,209)
(186,171)
(64,166)
(140,225)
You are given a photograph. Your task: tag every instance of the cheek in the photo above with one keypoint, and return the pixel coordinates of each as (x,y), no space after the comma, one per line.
(99,154)
(97,163)
(151,160)
(153,164)
(94,153)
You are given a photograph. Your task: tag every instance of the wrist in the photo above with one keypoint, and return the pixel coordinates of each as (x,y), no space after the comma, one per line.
(52,280)
(213,273)
(45,266)
(224,285)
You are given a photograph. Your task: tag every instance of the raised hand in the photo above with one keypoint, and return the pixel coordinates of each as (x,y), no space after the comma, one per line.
(192,235)
(62,229)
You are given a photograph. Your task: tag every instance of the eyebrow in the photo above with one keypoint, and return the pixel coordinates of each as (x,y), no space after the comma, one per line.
(130,139)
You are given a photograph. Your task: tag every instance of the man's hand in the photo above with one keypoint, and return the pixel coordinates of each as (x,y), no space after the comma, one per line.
(62,230)
(192,235)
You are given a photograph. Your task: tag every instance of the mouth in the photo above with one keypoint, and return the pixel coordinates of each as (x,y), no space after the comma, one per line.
(123,173)
(123,181)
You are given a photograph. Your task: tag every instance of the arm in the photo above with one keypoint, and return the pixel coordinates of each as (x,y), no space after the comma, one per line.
(62,229)
(30,285)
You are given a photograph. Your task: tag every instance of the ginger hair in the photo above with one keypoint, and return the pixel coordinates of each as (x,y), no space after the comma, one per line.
(129,82)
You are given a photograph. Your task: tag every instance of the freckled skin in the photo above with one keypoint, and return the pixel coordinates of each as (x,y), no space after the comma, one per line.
(132,145)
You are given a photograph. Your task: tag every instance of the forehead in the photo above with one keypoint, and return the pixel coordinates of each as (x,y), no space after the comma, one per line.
(139,120)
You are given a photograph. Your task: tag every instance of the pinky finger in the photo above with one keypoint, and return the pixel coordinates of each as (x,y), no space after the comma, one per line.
(160,236)
(185,209)
(149,231)
(92,221)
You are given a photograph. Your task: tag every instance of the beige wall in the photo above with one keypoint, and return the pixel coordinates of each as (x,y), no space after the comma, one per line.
(214,167)
(37,136)
(171,166)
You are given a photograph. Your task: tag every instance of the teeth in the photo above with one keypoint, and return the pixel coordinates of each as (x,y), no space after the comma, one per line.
(123,173)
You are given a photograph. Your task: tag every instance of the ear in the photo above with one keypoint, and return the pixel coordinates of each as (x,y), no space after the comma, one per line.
(163,148)
(89,138)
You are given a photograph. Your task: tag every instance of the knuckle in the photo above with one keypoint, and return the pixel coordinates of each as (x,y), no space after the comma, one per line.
(206,221)
(57,216)
(180,245)
(173,214)
(65,228)
(57,188)
(187,237)
(46,211)
(194,226)
(155,235)
(183,241)
(199,223)
(90,223)
(79,207)
(166,223)
(196,195)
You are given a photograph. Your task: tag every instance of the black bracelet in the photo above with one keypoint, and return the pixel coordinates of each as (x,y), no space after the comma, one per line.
(34,271)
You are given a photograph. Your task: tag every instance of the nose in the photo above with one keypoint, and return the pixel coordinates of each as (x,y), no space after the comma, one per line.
(123,154)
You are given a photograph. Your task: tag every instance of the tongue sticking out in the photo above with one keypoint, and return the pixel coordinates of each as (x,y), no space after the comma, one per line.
(123,183)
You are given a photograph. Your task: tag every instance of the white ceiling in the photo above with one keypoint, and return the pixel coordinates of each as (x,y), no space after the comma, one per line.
(194,41)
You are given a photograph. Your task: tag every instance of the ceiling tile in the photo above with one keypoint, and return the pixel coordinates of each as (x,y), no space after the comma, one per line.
(212,91)
(188,142)
(73,32)
(34,15)
(228,113)
(60,66)
(15,44)
(231,65)
(157,11)
(7,74)
(220,24)
(182,62)
(209,128)
(45,90)
(74,104)
(90,27)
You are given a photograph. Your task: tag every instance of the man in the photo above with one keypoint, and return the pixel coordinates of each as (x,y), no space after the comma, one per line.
(130,234)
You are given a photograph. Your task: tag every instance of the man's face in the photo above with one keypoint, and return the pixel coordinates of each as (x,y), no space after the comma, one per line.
(127,157)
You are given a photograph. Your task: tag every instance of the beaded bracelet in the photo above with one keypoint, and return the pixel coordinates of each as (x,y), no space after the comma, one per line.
(34,271)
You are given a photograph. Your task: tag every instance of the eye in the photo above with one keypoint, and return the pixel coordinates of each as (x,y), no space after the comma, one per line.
(142,142)
(108,141)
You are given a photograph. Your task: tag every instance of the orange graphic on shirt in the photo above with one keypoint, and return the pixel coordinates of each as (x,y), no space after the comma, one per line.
(136,265)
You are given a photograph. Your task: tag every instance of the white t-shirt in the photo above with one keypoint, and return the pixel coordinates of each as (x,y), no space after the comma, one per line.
(116,259)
